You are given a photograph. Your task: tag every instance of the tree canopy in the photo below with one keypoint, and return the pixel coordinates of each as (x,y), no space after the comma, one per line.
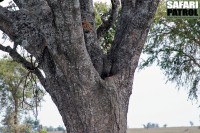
(174,45)
(19,93)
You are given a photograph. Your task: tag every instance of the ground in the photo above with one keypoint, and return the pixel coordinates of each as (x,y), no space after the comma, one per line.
(159,130)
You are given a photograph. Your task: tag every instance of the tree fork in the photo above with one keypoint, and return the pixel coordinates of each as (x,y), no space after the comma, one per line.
(73,61)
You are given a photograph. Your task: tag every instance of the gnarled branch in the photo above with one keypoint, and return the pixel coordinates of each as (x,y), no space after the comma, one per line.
(106,24)
(18,58)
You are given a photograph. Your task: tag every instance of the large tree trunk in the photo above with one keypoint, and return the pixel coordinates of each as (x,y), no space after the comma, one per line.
(88,99)
(103,109)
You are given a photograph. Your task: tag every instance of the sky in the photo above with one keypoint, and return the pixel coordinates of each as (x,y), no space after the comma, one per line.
(152,100)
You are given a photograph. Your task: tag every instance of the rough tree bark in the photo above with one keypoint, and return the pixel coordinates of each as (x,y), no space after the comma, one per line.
(72,61)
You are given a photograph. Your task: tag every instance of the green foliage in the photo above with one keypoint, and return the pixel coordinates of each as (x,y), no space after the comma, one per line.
(33,125)
(43,131)
(17,83)
(174,44)
(17,94)
(9,126)
(102,11)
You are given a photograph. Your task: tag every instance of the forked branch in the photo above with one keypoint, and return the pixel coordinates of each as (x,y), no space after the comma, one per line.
(135,19)
(18,58)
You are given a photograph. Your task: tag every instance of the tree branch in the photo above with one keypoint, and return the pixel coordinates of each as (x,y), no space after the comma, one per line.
(18,58)
(19,3)
(106,24)
(70,47)
(6,21)
(128,3)
(24,30)
(131,34)
(93,47)
(189,56)
(29,4)
(59,35)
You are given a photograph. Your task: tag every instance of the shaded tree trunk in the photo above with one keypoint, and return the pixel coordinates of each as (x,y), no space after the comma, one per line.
(72,61)
(16,111)
(16,116)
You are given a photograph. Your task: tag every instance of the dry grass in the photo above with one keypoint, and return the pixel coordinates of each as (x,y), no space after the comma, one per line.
(166,130)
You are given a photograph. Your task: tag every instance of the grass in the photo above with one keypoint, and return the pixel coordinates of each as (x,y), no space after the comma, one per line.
(165,130)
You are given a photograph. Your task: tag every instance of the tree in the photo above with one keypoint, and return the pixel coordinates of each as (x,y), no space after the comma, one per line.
(50,128)
(174,44)
(33,125)
(16,93)
(165,125)
(90,89)
(60,128)
(151,125)
(191,123)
